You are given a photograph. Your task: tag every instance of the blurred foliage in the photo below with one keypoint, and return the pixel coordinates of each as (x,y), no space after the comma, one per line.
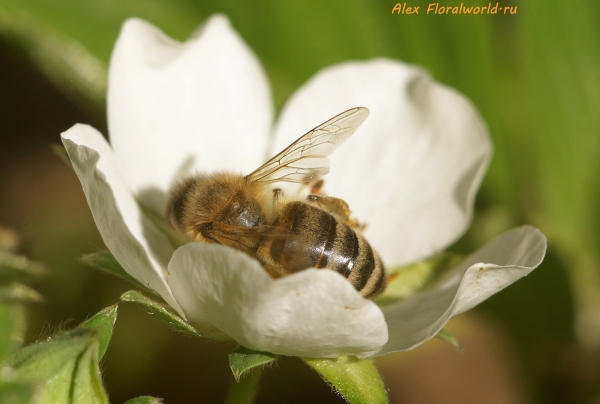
(13,268)
(64,61)
(63,368)
(535,76)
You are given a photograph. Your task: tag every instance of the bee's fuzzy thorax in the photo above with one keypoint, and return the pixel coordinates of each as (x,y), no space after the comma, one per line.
(214,197)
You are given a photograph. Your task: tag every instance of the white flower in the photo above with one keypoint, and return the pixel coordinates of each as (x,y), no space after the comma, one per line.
(410,172)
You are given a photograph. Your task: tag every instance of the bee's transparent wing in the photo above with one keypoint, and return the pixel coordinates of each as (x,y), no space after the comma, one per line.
(306,160)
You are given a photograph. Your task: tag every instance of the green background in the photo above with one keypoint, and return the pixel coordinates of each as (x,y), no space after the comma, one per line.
(535,76)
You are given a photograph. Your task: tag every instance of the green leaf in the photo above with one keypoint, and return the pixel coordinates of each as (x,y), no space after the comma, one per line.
(65,368)
(243,391)
(19,293)
(405,281)
(106,262)
(86,381)
(173,320)
(15,392)
(12,329)
(18,268)
(449,338)
(103,323)
(144,400)
(242,359)
(356,380)
(42,359)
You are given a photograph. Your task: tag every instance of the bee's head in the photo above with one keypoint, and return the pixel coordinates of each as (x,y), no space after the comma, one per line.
(205,199)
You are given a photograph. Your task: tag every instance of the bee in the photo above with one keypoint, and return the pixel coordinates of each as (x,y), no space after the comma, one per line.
(284,234)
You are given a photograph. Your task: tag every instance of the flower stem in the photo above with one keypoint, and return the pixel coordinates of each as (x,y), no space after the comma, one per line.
(244,391)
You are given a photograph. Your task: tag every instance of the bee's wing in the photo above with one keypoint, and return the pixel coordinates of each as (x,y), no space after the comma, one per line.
(306,159)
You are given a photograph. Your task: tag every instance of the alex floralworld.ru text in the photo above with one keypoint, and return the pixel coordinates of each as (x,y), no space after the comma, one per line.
(435,8)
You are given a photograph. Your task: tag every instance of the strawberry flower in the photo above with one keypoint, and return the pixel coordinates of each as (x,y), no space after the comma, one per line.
(410,173)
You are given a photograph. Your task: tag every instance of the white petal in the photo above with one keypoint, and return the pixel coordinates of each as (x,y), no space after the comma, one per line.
(314,313)
(412,169)
(504,260)
(132,239)
(178,107)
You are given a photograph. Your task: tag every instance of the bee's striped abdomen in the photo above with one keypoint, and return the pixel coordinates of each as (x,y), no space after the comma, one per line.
(326,242)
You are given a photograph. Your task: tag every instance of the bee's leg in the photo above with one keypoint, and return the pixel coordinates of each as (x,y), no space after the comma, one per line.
(356,225)
(332,205)
(336,207)
(392,277)
(277,193)
(263,255)
(315,187)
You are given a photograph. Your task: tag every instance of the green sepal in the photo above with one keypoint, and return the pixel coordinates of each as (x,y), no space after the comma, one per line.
(61,152)
(12,330)
(15,392)
(64,367)
(242,360)
(15,268)
(357,380)
(405,281)
(106,262)
(449,338)
(19,293)
(175,322)
(103,323)
(158,220)
(144,400)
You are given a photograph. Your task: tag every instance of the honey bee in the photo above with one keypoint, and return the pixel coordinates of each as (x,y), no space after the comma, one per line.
(285,235)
